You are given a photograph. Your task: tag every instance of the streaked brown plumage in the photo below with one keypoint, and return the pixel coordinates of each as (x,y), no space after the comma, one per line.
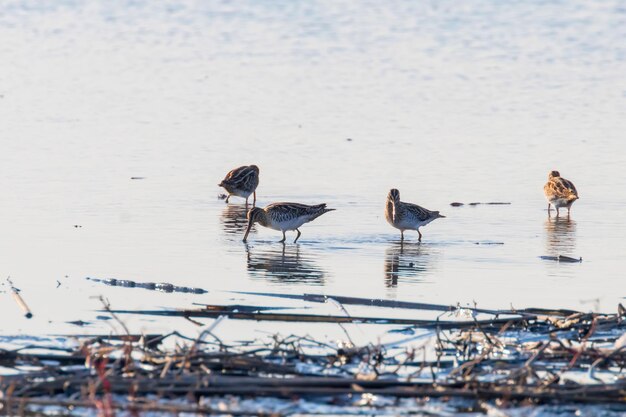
(559,192)
(284,216)
(407,216)
(241,182)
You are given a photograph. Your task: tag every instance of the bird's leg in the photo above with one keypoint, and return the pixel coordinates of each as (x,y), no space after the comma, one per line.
(297,237)
(401,235)
(246,203)
(284,237)
(557,212)
(568,209)
(227,198)
(549,209)
(254,200)
(419,233)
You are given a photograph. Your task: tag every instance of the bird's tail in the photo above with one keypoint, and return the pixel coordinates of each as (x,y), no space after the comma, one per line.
(321,209)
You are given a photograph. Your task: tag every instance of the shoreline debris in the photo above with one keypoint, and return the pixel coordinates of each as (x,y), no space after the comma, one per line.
(313,318)
(562,258)
(553,357)
(15,293)
(491,203)
(161,286)
(372,302)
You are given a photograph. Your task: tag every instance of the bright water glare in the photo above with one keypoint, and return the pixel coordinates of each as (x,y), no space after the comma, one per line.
(336,102)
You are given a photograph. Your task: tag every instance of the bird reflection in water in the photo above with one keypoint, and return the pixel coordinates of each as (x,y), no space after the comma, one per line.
(405,262)
(234,219)
(560,236)
(284,264)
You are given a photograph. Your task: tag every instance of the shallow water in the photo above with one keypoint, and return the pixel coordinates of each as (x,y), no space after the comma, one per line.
(336,102)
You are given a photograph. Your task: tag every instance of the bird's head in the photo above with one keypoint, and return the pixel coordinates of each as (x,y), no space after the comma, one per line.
(394,195)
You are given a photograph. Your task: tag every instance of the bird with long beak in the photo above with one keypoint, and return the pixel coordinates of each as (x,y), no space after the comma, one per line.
(241,182)
(284,216)
(559,192)
(407,216)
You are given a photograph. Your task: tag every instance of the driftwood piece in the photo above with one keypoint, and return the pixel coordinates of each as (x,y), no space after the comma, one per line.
(329,386)
(491,203)
(16,405)
(15,293)
(562,258)
(317,318)
(377,302)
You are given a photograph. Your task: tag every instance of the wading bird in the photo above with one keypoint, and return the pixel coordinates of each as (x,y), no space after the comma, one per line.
(284,216)
(407,216)
(559,192)
(241,182)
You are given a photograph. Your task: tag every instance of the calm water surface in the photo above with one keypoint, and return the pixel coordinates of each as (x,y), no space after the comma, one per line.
(337,102)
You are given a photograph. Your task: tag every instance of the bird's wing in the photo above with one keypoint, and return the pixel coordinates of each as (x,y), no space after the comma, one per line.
(419,212)
(569,186)
(286,211)
(560,187)
(240,175)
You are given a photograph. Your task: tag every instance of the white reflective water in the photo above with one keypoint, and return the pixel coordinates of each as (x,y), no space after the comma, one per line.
(337,102)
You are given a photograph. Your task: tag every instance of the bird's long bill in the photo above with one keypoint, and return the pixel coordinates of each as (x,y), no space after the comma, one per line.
(245,237)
